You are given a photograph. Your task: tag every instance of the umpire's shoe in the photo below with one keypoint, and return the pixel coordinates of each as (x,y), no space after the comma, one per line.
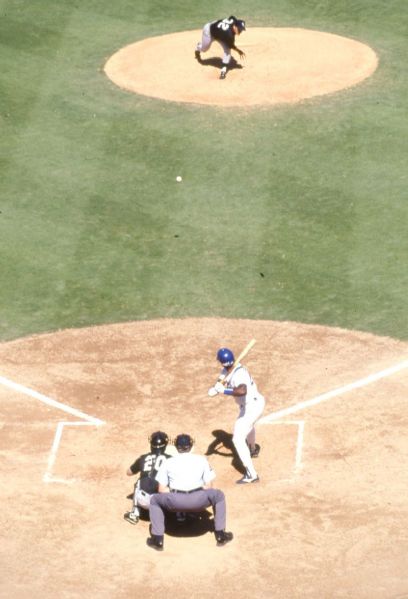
(155,542)
(223,537)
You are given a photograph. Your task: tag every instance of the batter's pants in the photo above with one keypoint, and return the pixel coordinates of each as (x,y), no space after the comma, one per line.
(244,432)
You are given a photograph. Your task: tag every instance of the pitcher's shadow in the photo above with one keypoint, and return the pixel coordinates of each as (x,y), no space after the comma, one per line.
(222,445)
(216,62)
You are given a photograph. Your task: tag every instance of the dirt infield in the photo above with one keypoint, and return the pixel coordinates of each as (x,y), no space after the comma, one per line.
(326,519)
(282,65)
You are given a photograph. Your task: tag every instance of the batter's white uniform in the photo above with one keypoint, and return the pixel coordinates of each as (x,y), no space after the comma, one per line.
(251,407)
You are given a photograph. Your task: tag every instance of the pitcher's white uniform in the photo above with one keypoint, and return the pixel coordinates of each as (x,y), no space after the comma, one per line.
(251,407)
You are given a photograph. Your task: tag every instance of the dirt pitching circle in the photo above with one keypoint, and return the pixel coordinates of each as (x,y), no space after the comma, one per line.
(282,65)
(332,525)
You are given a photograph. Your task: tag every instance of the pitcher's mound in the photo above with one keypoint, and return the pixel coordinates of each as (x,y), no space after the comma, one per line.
(281,66)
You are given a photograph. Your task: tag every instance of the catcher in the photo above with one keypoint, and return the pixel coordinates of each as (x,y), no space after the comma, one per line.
(147,465)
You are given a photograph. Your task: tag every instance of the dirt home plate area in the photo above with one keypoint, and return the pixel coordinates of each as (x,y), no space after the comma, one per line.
(282,65)
(326,520)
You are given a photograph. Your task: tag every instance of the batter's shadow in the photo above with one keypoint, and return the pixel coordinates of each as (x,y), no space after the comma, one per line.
(217,63)
(223,446)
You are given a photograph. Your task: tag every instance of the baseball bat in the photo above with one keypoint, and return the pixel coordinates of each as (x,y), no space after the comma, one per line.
(245,351)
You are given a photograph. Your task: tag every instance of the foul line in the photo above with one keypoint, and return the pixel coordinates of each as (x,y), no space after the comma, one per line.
(47,400)
(334,393)
(275,417)
(88,421)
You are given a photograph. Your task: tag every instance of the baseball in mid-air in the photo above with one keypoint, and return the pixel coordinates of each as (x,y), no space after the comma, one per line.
(179,179)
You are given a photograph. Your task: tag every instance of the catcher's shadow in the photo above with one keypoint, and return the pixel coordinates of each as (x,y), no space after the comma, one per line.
(195,524)
(222,445)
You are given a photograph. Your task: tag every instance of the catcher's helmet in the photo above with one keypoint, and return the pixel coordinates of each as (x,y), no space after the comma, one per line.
(225,356)
(158,442)
(183,442)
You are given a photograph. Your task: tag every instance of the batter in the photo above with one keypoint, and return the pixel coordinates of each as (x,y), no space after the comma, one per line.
(239,383)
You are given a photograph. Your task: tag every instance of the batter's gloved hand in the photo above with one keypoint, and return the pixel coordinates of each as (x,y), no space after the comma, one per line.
(219,387)
(212,392)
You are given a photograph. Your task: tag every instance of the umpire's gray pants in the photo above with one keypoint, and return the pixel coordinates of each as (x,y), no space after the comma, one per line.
(187,502)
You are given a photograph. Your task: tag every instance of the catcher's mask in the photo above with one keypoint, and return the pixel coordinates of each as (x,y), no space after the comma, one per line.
(183,442)
(225,356)
(158,442)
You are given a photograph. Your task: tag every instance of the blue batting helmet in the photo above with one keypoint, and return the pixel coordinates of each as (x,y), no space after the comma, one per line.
(225,356)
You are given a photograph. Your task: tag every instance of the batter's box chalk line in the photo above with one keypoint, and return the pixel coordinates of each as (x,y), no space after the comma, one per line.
(299,443)
(85,420)
(276,417)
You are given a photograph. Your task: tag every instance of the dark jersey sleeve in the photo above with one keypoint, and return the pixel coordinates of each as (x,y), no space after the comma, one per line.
(137,465)
(222,31)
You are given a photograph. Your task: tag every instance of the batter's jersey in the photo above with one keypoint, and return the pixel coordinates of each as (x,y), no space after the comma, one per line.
(148,464)
(185,472)
(241,376)
(222,31)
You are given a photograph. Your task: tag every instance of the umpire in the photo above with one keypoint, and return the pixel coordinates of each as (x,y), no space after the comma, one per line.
(185,485)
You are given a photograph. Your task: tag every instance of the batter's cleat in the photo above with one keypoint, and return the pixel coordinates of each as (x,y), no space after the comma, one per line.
(223,537)
(255,451)
(223,73)
(155,542)
(247,480)
(131,517)
(197,55)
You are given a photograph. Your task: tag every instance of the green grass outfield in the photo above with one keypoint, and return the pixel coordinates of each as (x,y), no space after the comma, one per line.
(94,228)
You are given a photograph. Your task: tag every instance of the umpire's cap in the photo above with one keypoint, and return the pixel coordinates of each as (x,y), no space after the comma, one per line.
(183,442)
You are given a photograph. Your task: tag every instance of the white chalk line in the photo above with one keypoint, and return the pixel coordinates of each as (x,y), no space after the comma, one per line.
(86,421)
(334,393)
(48,476)
(47,400)
(275,417)
(299,440)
